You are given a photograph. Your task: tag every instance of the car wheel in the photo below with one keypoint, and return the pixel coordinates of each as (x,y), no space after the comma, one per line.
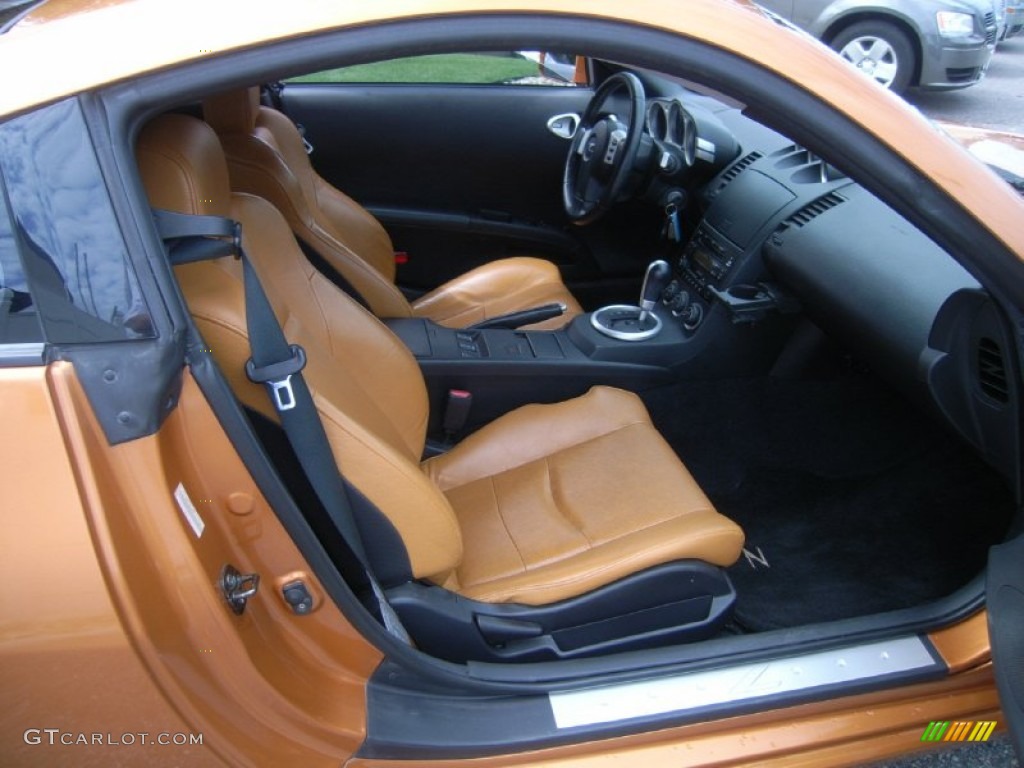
(880,50)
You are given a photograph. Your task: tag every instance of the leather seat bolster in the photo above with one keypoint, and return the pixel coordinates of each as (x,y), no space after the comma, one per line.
(534,431)
(506,285)
(415,507)
(352,359)
(705,536)
(355,228)
(546,516)
(222,326)
(258,168)
(335,212)
(419,512)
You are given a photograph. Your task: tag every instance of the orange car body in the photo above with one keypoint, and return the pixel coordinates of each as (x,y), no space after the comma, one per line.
(110,621)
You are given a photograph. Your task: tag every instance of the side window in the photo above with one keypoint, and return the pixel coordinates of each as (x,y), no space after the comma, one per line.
(63,261)
(509,68)
(18,320)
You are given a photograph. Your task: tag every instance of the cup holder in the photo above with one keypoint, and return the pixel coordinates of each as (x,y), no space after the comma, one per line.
(746,292)
(622,322)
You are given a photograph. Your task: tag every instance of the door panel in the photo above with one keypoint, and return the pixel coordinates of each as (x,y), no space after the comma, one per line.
(460,174)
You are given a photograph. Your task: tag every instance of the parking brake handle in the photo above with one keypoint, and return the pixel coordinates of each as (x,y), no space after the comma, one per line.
(522,317)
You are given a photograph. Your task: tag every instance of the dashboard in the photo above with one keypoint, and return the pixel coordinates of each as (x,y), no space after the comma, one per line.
(780,237)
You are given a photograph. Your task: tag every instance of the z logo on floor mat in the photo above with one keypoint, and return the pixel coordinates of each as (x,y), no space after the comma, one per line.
(755,560)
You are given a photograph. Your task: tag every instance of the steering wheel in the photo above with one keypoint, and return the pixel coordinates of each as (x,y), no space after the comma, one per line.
(603,150)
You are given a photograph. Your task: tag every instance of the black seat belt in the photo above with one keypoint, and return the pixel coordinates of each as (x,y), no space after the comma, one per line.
(278,366)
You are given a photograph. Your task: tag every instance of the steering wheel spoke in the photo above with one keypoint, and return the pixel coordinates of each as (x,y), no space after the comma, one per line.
(603,153)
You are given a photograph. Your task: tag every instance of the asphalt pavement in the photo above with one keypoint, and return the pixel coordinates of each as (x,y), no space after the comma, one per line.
(997,752)
(996,103)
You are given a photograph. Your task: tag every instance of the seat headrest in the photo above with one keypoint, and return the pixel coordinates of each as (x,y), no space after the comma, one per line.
(233,111)
(183,167)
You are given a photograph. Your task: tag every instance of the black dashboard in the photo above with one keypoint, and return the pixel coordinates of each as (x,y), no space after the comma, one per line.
(782,233)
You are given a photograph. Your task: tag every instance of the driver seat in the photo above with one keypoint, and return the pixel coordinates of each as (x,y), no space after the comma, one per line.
(267,157)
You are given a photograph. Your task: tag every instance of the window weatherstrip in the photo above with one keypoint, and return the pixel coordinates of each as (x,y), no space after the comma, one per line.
(21,354)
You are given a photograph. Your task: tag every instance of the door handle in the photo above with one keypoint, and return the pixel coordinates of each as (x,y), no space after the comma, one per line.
(564,126)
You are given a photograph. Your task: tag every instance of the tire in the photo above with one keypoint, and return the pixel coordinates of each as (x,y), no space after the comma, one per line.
(879,49)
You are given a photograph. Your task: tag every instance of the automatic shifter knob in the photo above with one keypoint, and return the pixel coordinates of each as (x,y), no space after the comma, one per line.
(658,275)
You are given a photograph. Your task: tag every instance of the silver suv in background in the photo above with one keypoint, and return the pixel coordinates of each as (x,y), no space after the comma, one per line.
(932,44)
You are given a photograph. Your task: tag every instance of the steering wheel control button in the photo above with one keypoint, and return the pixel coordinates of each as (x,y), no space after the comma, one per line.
(614,142)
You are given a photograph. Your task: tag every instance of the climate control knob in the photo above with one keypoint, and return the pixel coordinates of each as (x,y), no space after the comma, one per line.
(692,316)
(679,303)
(671,291)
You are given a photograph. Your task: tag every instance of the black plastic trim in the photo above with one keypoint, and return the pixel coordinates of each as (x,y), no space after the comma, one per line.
(385,549)
(131,384)
(509,229)
(1005,589)
(22,354)
(413,720)
(681,601)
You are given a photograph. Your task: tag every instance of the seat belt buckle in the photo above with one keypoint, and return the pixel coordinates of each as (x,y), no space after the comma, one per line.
(278,377)
(456,412)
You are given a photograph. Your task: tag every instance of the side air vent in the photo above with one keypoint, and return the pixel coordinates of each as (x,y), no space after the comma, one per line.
(735,170)
(992,371)
(807,167)
(813,209)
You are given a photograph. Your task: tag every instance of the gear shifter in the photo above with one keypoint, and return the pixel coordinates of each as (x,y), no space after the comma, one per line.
(655,281)
(636,323)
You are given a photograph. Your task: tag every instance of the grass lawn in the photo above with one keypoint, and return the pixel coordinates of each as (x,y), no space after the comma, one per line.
(475,68)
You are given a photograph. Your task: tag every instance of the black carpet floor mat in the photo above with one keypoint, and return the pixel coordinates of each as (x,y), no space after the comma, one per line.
(852,501)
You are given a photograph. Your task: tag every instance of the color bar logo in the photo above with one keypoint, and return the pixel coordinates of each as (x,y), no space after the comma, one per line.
(959,731)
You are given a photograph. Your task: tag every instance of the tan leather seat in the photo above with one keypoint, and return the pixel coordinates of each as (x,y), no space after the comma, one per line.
(546,503)
(266,157)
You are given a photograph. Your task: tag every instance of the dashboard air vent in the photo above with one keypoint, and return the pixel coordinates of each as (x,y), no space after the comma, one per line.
(815,208)
(735,170)
(992,371)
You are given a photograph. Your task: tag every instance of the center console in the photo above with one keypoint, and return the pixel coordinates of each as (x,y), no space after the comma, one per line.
(504,369)
(708,310)
(680,328)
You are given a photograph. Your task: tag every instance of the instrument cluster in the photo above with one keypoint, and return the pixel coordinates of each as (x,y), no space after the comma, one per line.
(673,127)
